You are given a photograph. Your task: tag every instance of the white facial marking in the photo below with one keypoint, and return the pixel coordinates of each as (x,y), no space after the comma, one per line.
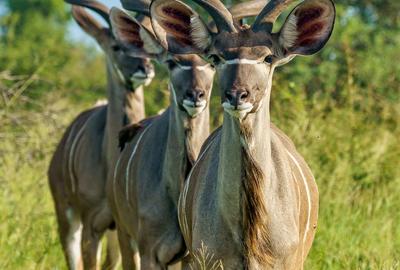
(184,67)
(240,112)
(308,195)
(194,109)
(203,67)
(140,77)
(242,61)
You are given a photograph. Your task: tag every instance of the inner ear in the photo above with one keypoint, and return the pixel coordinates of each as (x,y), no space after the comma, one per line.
(308,27)
(134,36)
(178,27)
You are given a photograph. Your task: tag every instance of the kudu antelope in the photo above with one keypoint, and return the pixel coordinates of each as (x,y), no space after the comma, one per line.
(89,148)
(250,197)
(151,170)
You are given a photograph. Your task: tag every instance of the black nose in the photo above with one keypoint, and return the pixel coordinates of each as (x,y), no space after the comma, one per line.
(237,97)
(195,95)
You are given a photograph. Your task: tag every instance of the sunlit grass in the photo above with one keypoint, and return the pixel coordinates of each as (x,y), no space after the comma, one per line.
(28,234)
(355,162)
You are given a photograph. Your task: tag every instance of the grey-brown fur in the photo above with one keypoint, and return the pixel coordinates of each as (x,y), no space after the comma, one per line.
(144,193)
(250,197)
(88,150)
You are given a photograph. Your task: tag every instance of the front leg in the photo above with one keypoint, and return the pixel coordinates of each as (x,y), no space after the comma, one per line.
(95,224)
(91,251)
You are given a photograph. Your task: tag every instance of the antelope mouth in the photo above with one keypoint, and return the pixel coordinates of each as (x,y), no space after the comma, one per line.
(193,109)
(240,111)
(140,78)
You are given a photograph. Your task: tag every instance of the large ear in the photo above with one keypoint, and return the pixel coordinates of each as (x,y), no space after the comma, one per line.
(308,27)
(133,35)
(90,25)
(179,28)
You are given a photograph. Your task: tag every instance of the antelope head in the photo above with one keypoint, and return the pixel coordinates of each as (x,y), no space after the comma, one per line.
(244,56)
(191,77)
(132,70)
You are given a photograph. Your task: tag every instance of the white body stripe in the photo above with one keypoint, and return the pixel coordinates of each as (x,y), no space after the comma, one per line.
(130,161)
(184,224)
(298,192)
(307,192)
(72,153)
(115,178)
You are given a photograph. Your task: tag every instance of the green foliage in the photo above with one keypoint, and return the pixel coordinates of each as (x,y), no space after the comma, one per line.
(48,9)
(340,107)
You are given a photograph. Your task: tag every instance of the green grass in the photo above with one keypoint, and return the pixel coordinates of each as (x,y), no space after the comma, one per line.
(340,107)
(353,151)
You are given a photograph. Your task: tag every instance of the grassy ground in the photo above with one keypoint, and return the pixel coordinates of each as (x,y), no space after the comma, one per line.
(354,154)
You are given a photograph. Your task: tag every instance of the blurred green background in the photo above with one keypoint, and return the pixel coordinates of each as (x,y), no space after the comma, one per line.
(341,108)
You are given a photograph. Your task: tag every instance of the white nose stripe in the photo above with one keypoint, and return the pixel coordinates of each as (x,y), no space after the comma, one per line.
(244,61)
(196,67)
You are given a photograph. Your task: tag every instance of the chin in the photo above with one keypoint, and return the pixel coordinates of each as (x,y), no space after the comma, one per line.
(192,109)
(148,81)
(240,112)
(136,82)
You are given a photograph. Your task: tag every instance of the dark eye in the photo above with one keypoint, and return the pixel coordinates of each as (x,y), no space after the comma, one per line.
(269,59)
(116,48)
(171,64)
(215,60)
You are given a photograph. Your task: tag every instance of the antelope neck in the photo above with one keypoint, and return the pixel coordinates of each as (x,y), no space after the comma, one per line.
(254,135)
(124,107)
(184,140)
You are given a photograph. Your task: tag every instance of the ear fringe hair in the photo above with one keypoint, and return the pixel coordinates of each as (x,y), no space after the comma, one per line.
(199,33)
(149,44)
(289,33)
